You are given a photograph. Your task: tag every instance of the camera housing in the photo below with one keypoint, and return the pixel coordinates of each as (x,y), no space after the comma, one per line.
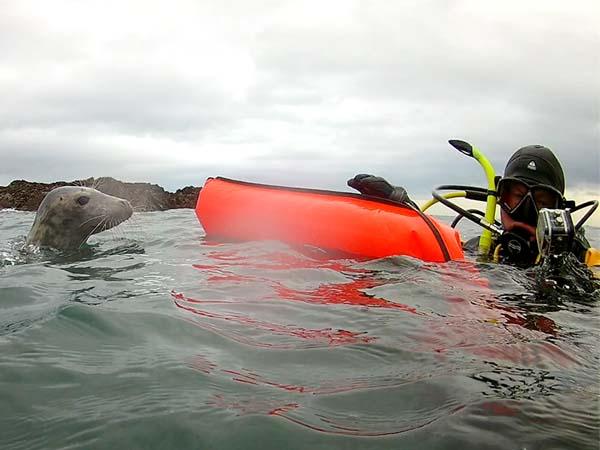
(555,231)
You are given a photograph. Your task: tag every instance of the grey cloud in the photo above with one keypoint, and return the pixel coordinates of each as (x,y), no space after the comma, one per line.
(380,94)
(132,100)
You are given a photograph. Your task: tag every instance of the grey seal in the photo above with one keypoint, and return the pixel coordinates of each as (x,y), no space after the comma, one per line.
(69,215)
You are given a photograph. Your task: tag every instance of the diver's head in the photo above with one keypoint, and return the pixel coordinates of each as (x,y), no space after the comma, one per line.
(533,179)
(536,165)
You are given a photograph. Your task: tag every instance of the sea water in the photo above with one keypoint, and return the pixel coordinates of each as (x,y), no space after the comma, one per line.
(154,337)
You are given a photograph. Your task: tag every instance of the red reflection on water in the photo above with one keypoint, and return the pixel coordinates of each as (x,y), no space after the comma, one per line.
(532,322)
(251,406)
(244,376)
(343,294)
(485,303)
(475,320)
(349,293)
(293,412)
(203,364)
(479,323)
(277,261)
(331,337)
(498,408)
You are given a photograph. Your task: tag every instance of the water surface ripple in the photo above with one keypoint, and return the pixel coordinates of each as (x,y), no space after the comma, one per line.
(155,337)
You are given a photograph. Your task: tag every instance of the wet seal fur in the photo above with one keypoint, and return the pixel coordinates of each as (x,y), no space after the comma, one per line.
(69,215)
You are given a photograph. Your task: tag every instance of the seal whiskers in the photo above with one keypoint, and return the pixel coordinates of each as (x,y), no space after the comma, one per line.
(93,231)
(93,218)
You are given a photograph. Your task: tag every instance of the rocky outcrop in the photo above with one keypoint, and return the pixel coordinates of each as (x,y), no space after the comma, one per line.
(184,198)
(26,196)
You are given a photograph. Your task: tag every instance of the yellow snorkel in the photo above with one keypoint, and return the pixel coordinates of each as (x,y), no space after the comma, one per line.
(485,241)
(488,195)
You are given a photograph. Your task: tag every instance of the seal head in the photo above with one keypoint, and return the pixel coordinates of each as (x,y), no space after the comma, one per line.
(68,216)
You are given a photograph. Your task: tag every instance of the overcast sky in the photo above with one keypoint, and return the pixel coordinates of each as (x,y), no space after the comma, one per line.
(304,93)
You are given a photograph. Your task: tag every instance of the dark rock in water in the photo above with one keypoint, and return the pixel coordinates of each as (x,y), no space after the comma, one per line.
(26,196)
(142,196)
(184,198)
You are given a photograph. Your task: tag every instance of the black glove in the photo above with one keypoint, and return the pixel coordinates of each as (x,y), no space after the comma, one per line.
(378,187)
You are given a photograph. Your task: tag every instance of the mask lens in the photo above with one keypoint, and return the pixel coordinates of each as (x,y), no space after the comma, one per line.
(546,197)
(511,194)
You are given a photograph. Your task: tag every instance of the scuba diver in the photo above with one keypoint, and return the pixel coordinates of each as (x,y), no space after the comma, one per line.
(534,214)
(533,179)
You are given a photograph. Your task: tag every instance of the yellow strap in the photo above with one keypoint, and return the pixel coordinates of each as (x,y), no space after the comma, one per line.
(592,260)
(592,257)
(497,253)
(433,201)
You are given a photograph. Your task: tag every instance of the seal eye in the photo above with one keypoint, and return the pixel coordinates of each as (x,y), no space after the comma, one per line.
(83,200)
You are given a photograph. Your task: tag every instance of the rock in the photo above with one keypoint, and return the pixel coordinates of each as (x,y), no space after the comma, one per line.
(26,196)
(185,197)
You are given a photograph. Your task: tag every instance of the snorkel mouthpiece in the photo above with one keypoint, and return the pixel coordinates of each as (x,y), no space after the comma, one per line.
(517,248)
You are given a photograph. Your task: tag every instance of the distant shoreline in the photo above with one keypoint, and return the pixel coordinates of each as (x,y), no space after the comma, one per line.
(25,195)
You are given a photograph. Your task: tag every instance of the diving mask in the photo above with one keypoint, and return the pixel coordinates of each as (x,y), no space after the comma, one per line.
(523,201)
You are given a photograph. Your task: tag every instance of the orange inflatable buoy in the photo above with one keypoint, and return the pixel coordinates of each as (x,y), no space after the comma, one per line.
(342,221)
